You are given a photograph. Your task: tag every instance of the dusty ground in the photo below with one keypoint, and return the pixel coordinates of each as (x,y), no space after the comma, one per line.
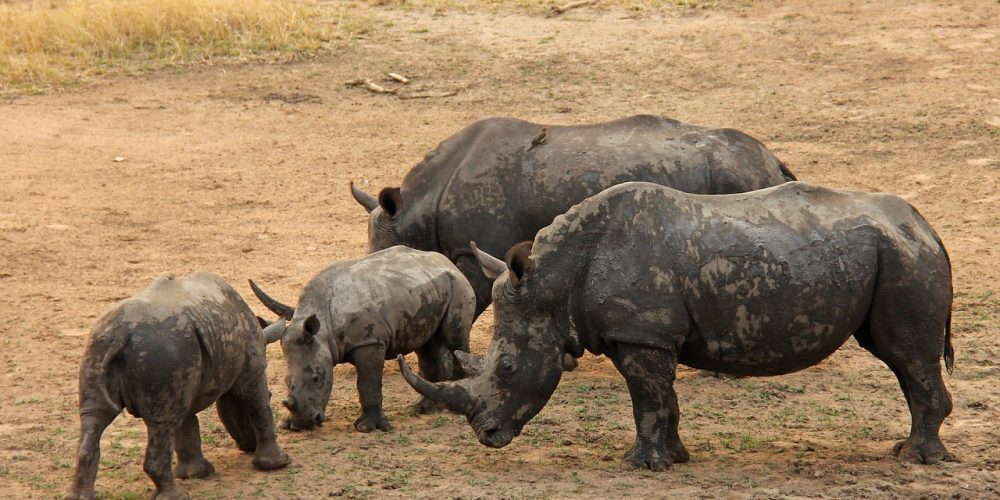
(244,171)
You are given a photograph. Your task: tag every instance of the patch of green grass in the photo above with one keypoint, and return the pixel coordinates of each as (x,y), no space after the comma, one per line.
(740,441)
(397,479)
(439,421)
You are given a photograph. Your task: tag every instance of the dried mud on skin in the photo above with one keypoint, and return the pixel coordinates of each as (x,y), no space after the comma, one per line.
(230,170)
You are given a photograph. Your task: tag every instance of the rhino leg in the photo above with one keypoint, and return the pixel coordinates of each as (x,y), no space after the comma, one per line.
(370,362)
(248,416)
(649,374)
(928,401)
(89,454)
(159,437)
(906,330)
(437,364)
(481,285)
(191,463)
(236,421)
(454,329)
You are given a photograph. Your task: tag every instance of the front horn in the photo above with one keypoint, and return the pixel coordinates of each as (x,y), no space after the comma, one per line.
(273,305)
(366,200)
(452,395)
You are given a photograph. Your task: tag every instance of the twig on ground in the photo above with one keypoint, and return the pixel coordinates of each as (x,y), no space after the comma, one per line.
(555,11)
(398,77)
(426,95)
(370,85)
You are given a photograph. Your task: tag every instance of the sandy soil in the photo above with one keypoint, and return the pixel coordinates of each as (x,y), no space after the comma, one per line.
(243,171)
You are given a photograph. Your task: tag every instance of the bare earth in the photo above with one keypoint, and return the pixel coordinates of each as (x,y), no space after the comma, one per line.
(243,171)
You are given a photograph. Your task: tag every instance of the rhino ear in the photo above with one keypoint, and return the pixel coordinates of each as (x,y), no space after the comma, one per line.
(311,325)
(391,201)
(262,322)
(492,266)
(471,364)
(519,261)
(366,200)
(273,331)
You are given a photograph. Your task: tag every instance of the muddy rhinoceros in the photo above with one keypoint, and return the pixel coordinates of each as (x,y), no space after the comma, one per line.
(363,312)
(164,355)
(753,284)
(499,180)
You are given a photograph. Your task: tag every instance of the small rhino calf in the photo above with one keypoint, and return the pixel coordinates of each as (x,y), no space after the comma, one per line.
(365,311)
(164,355)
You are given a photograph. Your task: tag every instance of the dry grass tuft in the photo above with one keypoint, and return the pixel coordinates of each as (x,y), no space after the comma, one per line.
(62,42)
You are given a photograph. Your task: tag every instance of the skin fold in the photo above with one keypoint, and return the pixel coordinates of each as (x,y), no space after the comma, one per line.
(753,284)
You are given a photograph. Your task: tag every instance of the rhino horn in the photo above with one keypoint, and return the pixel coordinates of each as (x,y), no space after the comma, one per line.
(472,364)
(274,331)
(366,200)
(492,266)
(452,395)
(273,305)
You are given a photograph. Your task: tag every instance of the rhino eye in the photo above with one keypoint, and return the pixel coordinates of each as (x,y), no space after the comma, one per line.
(506,366)
(316,378)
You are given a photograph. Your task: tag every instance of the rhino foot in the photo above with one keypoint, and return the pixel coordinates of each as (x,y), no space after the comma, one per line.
(425,406)
(199,468)
(174,493)
(368,423)
(678,453)
(79,495)
(925,452)
(646,456)
(270,458)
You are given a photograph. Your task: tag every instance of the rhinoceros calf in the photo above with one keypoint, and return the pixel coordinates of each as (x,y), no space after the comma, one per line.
(760,283)
(496,183)
(164,355)
(363,312)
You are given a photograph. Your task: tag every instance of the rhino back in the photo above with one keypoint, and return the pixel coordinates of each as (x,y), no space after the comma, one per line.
(396,297)
(184,343)
(502,192)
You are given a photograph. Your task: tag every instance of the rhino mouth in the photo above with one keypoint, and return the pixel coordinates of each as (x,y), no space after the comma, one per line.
(490,433)
(295,423)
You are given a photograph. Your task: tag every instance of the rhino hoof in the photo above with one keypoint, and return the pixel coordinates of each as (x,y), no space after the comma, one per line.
(175,493)
(275,458)
(656,459)
(194,469)
(922,453)
(367,424)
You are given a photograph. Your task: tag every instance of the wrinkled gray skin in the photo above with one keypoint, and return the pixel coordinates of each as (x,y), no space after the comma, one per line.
(363,312)
(164,355)
(753,284)
(487,184)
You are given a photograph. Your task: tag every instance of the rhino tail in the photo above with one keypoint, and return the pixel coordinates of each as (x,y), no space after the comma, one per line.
(96,375)
(787,174)
(949,351)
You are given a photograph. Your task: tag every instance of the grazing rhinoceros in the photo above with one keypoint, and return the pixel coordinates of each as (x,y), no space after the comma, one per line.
(761,283)
(164,355)
(363,312)
(496,183)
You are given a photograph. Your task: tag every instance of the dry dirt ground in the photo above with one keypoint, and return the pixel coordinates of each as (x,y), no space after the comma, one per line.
(243,171)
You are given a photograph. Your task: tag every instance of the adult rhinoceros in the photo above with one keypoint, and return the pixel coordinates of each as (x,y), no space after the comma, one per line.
(500,180)
(761,283)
